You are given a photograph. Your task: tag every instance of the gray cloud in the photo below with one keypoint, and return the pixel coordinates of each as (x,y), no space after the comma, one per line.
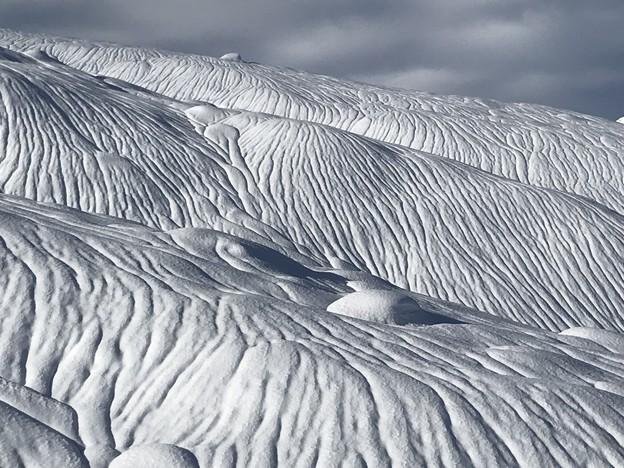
(565,53)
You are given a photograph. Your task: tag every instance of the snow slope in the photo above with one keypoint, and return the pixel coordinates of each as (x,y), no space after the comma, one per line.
(533,144)
(191,337)
(540,257)
(217,263)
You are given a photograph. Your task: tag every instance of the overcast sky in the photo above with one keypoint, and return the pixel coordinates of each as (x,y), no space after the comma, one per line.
(565,53)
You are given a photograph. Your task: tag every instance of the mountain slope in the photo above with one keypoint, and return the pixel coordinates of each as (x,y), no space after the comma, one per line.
(533,144)
(240,359)
(422,222)
(216,263)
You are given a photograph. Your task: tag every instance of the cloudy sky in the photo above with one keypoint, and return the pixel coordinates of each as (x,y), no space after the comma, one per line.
(565,53)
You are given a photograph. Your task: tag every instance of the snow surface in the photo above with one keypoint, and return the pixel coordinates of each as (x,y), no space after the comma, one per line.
(207,261)
(232,56)
(386,306)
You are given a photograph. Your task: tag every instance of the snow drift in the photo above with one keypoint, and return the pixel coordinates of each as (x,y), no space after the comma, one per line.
(219,263)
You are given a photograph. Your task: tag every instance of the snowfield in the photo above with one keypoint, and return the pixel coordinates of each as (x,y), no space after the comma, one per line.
(212,262)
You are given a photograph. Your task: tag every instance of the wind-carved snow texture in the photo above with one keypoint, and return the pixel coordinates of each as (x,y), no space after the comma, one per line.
(218,263)
(533,144)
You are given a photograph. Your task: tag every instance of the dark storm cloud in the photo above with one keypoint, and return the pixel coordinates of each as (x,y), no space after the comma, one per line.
(566,53)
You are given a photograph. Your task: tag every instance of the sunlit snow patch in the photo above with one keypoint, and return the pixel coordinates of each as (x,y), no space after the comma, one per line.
(155,456)
(386,306)
(611,340)
(232,57)
(207,114)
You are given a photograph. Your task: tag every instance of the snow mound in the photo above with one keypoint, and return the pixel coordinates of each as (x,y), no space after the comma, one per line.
(206,114)
(386,306)
(609,339)
(231,57)
(155,456)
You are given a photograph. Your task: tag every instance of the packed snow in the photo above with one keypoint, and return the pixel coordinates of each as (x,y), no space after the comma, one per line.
(212,262)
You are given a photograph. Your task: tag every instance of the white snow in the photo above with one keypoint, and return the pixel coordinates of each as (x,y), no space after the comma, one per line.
(385,306)
(609,339)
(231,57)
(231,264)
(206,114)
(155,456)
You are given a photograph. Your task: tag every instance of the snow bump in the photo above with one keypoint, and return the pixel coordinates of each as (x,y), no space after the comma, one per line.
(231,57)
(386,306)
